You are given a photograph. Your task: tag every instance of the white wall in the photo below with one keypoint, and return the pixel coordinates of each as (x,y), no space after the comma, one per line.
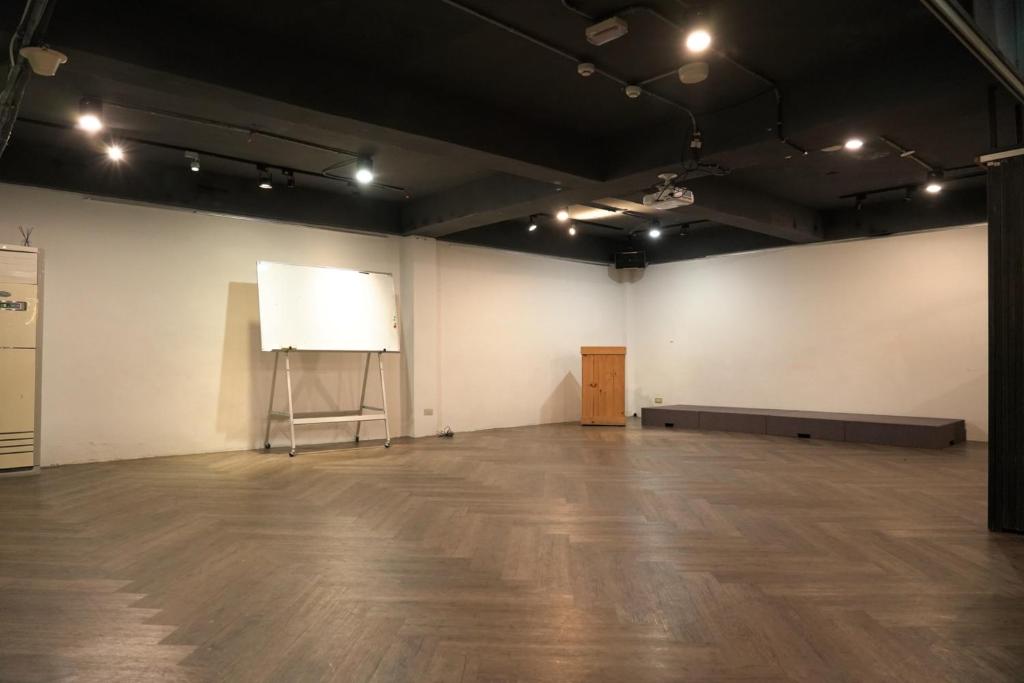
(151,327)
(511,328)
(895,326)
(151,333)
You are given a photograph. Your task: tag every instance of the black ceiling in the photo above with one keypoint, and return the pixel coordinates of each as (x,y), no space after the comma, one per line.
(475,127)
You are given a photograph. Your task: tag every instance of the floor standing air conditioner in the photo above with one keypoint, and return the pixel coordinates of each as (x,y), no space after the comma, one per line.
(20,333)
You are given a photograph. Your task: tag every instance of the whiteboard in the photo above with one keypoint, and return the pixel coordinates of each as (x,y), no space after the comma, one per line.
(326,309)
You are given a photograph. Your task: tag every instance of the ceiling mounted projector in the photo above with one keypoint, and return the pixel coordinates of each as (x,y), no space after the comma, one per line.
(667,195)
(606,31)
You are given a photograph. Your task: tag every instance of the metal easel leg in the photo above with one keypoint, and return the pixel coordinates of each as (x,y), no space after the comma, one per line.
(270,410)
(291,408)
(362,394)
(383,399)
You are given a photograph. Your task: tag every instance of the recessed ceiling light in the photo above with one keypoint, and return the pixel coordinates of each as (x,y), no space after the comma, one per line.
(364,170)
(562,215)
(853,144)
(115,152)
(934,185)
(698,40)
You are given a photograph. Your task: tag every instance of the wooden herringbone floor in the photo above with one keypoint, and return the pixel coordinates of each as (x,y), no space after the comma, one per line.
(555,553)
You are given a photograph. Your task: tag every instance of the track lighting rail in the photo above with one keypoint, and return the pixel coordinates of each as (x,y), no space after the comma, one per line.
(218,155)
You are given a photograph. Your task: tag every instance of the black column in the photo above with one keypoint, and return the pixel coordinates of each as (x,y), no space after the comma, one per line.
(1006,343)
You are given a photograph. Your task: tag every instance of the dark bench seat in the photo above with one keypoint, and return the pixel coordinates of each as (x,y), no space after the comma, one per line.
(915,432)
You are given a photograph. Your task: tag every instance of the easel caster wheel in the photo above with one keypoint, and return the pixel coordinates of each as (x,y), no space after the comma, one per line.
(291,454)
(387,444)
(266,446)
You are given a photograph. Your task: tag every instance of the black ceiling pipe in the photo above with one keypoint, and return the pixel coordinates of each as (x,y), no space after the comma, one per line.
(960,24)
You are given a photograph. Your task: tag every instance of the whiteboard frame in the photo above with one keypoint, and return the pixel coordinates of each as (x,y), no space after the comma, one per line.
(397,310)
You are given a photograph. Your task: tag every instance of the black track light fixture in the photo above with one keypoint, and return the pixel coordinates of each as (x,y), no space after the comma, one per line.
(289,178)
(266,183)
(364,170)
(90,115)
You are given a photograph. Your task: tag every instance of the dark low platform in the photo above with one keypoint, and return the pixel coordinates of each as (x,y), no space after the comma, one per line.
(915,432)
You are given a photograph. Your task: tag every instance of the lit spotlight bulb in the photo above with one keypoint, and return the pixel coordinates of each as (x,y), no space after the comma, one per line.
(698,40)
(562,215)
(572,229)
(853,144)
(90,114)
(933,187)
(364,170)
(654,232)
(533,226)
(115,152)
(90,123)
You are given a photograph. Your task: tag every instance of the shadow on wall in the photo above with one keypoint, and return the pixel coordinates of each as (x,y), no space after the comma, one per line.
(563,404)
(320,381)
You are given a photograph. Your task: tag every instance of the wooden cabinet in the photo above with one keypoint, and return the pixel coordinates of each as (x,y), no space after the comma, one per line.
(604,385)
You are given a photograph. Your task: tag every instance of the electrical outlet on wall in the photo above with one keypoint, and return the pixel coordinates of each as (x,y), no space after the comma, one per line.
(428,411)
(658,399)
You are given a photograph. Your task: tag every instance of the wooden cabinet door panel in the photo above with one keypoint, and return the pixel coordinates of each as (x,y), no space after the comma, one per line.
(603,390)
(588,409)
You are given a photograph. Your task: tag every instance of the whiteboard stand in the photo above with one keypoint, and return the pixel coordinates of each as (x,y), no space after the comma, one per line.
(358,416)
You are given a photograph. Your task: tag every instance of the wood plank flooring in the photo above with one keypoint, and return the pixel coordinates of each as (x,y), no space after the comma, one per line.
(553,553)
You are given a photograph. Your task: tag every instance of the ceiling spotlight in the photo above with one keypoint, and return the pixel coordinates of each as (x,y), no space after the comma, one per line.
(266,183)
(289,178)
(655,231)
(934,185)
(572,230)
(364,170)
(562,215)
(533,224)
(698,40)
(193,161)
(115,152)
(90,115)
(853,144)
